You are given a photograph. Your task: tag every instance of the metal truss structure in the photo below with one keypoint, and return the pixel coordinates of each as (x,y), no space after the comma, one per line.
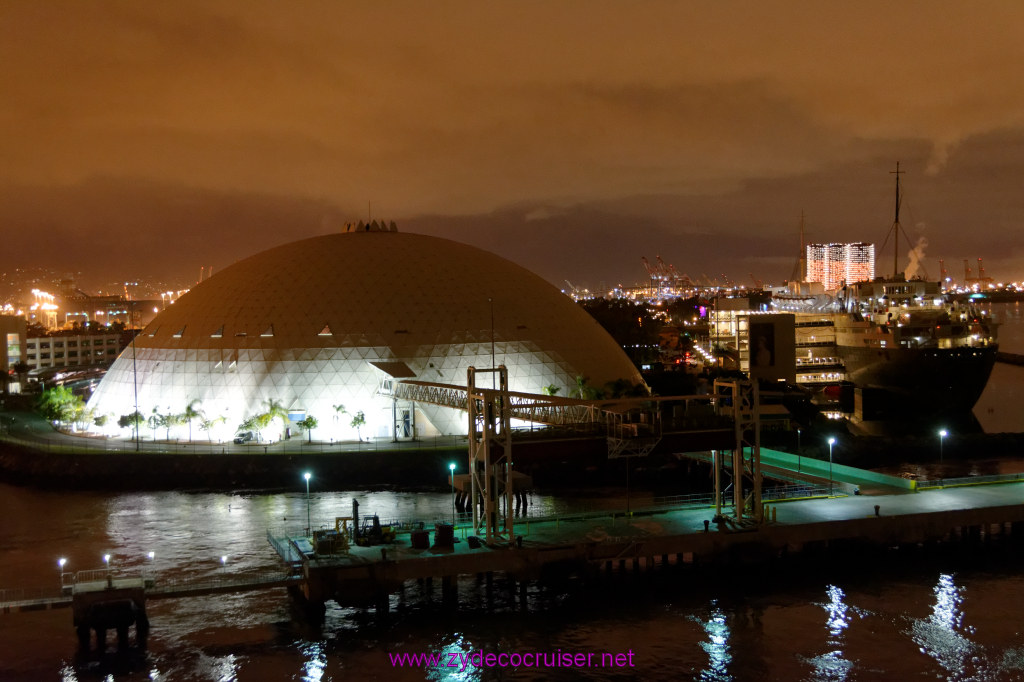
(490,454)
(632,433)
(541,409)
(742,399)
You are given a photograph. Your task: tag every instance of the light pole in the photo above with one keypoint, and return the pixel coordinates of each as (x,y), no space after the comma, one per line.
(831,442)
(798,450)
(451,471)
(135,376)
(60,569)
(942,435)
(307,476)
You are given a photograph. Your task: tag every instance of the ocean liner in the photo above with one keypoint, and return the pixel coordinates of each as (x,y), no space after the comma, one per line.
(909,348)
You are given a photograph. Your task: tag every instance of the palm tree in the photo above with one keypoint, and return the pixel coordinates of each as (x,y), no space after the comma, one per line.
(153,422)
(208,424)
(338,411)
(276,409)
(190,414)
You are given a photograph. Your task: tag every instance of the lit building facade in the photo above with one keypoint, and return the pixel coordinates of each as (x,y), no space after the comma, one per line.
(79,350)
(12,329)
(836,265)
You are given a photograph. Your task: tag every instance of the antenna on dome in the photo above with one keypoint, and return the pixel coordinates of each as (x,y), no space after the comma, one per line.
(494,364)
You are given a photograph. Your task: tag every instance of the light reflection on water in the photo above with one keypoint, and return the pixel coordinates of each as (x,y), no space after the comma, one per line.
(316,661)
(832,665)
(456,661)
(942,636)
(827,628)
(716,646)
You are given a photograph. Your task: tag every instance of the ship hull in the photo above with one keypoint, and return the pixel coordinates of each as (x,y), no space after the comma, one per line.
(920,382)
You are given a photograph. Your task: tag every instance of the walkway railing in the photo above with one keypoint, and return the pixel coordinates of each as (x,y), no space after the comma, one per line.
(284,547)
(28,595)
(221,582)
(970,480)
(279,538)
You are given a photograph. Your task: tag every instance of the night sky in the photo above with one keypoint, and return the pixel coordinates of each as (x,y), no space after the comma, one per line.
(152,138)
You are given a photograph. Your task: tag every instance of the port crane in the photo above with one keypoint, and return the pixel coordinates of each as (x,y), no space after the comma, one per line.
(664,275)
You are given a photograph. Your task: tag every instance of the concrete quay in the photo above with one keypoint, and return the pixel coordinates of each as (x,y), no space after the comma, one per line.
(366,575)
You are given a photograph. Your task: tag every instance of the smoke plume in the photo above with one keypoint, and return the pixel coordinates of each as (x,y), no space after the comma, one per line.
(916,256)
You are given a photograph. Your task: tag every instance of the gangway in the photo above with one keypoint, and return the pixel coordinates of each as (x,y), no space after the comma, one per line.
(538,408)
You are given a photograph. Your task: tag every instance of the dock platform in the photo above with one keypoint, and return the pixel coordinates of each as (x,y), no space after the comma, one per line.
(683,535)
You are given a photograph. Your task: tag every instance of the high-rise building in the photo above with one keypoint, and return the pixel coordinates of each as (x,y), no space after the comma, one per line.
(835,265)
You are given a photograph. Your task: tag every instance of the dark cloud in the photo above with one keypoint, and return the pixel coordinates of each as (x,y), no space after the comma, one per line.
(680,120)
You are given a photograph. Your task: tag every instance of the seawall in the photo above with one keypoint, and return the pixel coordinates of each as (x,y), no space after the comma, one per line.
(227,471)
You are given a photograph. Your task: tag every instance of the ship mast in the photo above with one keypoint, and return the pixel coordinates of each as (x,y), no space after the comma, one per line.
(799,273)
(803,251)
(896,224)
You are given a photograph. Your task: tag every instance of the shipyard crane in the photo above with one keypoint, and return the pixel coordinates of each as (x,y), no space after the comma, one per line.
(647,266)
(679,279)
(654,274)
(663,269)
(982,277)
(665,274)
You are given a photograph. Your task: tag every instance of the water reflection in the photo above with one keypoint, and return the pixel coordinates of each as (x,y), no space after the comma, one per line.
(219,668)
(717,645)
(458,668)
(832,665)
(316,661)
(939,635)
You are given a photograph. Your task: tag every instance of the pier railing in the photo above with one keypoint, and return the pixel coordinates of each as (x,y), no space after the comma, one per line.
(221,582)
(27,595)
(284,539)
(970,480)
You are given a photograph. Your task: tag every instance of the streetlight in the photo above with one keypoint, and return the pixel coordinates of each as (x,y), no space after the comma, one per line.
(831,442)
(942,435)
(224,563)
(307,476)
(451,469)
(60,569)
(798,450)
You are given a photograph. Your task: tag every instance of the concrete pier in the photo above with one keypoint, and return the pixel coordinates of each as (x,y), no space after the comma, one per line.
(639,542)
(110,604)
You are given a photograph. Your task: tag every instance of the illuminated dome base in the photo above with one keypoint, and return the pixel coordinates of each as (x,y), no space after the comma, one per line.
(322,322)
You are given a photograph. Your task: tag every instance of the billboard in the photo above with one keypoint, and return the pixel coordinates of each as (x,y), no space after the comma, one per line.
(771,347)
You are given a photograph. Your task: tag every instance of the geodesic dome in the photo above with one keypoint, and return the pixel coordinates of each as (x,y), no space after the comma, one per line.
(323,321)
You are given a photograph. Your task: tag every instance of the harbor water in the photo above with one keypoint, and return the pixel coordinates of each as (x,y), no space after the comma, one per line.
(956,616)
